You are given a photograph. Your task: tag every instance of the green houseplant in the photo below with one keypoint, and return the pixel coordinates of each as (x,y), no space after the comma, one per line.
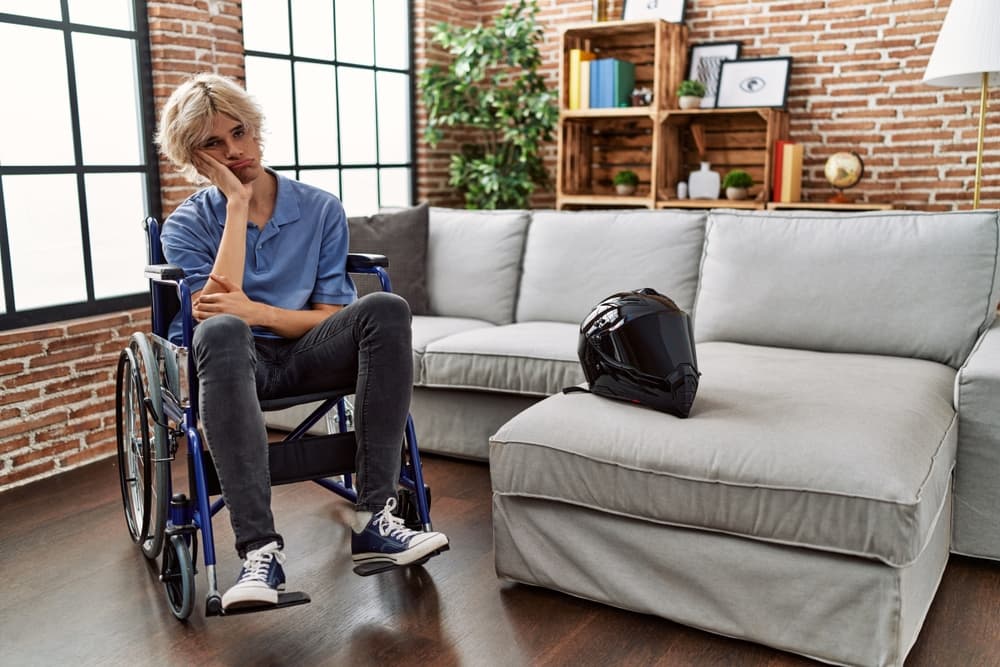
(625,181)
(736,183)
(491,97)
(689,94)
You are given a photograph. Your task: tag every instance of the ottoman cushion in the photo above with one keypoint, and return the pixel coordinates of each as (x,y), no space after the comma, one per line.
(839,452)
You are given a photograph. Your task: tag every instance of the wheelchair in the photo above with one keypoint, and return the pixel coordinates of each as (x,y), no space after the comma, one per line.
(156,408)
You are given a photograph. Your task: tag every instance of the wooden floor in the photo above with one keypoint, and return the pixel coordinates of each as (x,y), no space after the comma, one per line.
(75,591)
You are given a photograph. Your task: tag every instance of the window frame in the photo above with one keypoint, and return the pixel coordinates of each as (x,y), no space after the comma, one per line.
(149,168)
(296,166)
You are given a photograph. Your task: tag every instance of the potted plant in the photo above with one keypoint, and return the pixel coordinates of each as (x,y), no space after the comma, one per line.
(491,97)
(736,183)
(625,182)
(689,94)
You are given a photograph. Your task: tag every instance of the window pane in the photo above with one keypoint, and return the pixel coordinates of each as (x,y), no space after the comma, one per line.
(43,225)
(270,81)
(393,117)
(392,34)
(265,25)
(357,115)
(108,99)
(354,32)
(43,9)
(106,13)
(360,191)
(394,187)
(312,28)
(325,179)
(315,108)
(36,130)
(116,205)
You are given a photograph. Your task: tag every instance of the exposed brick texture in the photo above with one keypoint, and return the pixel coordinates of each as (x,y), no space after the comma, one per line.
(855,86)
(57,394)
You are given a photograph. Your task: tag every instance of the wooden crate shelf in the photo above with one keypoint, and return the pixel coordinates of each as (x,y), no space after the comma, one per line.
(597,148)
(659,142)
(727,139)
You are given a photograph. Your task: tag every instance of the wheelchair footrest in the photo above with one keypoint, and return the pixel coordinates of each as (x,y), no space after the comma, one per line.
(377,567)
(289,599)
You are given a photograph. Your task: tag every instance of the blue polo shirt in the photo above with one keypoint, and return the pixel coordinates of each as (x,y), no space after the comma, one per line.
(297,259)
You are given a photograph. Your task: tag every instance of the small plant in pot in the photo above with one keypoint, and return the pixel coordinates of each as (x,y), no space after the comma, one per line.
(689,94)
(625,182)
(736,183)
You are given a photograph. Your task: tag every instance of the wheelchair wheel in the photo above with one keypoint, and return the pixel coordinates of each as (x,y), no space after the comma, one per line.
(177,575)
(142,446)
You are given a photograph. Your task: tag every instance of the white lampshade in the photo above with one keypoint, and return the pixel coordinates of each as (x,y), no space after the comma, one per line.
(968,46)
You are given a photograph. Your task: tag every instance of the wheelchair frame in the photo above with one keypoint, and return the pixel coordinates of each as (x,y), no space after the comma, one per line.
(156,406)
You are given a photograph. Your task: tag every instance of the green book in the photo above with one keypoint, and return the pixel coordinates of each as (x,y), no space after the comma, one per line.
(623,78)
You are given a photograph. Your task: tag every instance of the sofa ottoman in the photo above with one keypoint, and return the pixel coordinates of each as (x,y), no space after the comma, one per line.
(819,525)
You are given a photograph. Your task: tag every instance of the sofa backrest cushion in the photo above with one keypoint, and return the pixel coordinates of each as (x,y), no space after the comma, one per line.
(901,283)
(473,263)
(573,259)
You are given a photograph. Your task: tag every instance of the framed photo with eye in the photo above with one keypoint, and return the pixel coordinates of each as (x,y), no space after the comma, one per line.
(757,82)
(671,11)
(705,64)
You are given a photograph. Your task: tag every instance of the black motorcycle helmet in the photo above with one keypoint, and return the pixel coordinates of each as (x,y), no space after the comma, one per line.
(638,346)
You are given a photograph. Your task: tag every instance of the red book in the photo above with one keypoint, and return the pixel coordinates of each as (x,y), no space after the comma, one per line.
(779,148)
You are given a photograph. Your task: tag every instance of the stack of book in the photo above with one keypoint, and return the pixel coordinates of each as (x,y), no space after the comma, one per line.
(599,83)
(786,183)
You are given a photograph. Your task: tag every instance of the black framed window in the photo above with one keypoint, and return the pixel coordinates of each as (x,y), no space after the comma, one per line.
(335,80)
(78,171)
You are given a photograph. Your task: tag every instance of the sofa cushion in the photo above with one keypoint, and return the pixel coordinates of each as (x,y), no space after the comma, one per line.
(473,263)
(400,235)
(427,329)
(839,452)
(573,259)
(902,283)
(532,358)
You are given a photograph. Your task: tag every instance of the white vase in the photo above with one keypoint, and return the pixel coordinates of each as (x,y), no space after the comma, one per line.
(705,183)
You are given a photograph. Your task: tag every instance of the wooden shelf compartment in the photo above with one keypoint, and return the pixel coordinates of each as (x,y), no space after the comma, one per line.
(657,48)
(593,150)
(726,138)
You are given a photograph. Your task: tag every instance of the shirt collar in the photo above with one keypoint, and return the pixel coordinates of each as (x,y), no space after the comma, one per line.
(286,205)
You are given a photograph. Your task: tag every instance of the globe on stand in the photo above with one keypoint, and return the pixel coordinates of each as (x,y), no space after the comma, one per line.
(843,170)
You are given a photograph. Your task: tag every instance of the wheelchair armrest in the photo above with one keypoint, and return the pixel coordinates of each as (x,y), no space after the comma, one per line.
(358,261)
(163,272)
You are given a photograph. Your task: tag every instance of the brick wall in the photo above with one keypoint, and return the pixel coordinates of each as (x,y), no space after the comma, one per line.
(855,86)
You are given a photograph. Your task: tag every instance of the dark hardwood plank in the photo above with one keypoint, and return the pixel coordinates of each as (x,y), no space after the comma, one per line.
(75,590)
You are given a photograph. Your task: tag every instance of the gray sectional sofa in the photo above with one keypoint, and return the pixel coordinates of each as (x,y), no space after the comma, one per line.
(845,437)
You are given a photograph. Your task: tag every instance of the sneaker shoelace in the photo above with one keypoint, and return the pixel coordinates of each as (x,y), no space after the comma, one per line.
(390,525)
(258,562)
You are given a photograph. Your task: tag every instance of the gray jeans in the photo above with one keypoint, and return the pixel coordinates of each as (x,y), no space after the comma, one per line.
(364,347)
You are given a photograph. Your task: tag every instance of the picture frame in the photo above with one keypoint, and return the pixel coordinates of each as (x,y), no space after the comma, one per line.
(671,11)
(705,64)
(754,82)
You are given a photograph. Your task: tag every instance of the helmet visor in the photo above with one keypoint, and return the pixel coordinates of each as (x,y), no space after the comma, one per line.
(654,344)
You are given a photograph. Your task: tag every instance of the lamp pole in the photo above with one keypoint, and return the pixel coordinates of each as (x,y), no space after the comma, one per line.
(979,148)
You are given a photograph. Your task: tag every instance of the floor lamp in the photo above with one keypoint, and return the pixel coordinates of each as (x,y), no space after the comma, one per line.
(967,54)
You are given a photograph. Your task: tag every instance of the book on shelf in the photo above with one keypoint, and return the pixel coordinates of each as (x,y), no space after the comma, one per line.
(611,83)
(578,65)
(791,172)
(779,149)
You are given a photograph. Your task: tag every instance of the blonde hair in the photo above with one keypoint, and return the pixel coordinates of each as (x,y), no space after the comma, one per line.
(186,121)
